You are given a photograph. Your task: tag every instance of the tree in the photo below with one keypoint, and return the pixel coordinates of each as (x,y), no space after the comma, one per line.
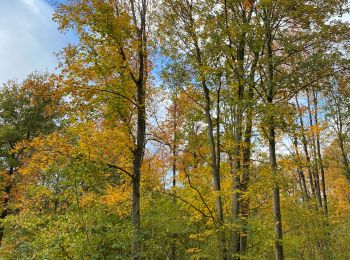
(112,59)
(27,110)
(338,115)
(189,36)
(249,113)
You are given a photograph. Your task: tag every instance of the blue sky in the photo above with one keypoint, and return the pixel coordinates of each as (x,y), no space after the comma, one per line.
(28,38)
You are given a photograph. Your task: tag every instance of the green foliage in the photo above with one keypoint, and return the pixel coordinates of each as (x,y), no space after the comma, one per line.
(80,233)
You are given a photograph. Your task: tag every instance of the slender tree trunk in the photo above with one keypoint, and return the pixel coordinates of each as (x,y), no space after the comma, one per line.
(174,162)
(319,157)
(276,196)
(323,178)
(341,139)
(277,216)
(218,139)
(174,146)
(245,182)
(247,159)
(215,172)
(306,150)
(237,178)
(314,149)
(223,250)
(300,170)
(213,156)
(240,72)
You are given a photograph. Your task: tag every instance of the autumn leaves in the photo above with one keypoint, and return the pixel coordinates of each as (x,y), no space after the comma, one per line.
(229,158)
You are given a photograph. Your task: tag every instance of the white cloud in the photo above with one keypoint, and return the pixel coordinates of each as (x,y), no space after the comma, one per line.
(28,38)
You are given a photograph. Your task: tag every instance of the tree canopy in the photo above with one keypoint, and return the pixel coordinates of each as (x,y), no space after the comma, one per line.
(182,129)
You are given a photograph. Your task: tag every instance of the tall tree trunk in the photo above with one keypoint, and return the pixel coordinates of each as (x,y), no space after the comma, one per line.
(246,158)
(319,157)
(140,83)
(341,135)
(314,149)
(136,174)
(245,181)
(306,150)
(215,172)
(237,175)
(240,72)
(299,169)
(277,216)
(213,156)
(174,162)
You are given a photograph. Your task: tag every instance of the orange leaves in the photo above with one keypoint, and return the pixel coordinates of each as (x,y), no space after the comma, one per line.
(316,129)
(247,4)
(116,195)
(44,153)
(85,142)
(88,159)
(338,192)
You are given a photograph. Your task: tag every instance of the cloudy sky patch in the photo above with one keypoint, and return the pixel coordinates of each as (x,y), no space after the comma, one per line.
(28,38)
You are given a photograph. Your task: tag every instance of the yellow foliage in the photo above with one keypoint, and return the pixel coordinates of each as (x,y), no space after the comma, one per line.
(87,199)
(116,195)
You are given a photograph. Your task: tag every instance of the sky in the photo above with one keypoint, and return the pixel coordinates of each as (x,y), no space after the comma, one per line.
(28,38)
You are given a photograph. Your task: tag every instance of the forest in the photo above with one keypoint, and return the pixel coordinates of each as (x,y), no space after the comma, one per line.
(182,129)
